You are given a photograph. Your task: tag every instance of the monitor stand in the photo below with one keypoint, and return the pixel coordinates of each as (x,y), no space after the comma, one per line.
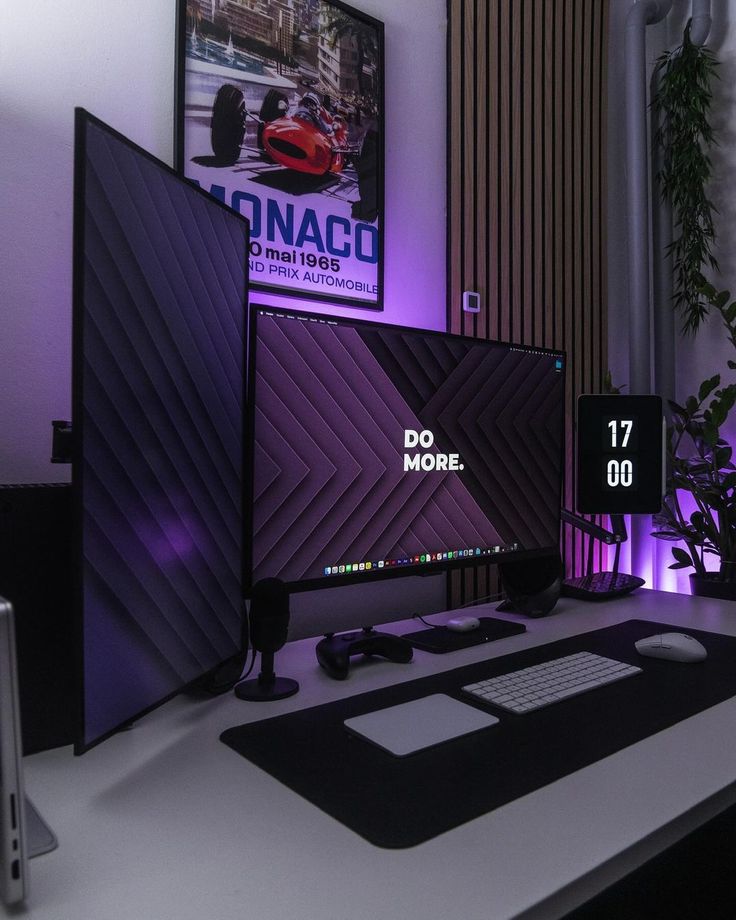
(40,838)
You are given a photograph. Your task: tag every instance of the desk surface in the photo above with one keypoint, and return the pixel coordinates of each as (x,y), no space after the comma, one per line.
(165,822)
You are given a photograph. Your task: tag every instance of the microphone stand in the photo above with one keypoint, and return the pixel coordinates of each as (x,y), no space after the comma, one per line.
(266,686)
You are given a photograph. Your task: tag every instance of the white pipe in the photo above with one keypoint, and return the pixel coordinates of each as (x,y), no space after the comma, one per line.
(701,22)
(641,14)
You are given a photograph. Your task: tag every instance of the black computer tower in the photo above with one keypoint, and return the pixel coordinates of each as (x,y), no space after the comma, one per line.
(36,576)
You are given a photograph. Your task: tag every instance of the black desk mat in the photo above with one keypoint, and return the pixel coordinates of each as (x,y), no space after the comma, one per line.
(400,802)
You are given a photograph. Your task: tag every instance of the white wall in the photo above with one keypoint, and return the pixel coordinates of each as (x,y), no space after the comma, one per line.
(117,60)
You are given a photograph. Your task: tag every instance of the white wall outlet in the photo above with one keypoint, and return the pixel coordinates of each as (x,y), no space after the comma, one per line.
(471,302)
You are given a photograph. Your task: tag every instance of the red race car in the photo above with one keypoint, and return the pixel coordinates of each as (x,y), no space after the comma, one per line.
(310,140)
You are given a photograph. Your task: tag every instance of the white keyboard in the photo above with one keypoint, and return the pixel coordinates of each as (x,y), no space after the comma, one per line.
(549,682)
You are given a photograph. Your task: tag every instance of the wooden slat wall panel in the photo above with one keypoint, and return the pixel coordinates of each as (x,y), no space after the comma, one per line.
(526,208)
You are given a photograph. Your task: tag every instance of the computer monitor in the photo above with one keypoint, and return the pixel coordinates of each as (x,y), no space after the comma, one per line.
(160,284)
(23,833)
(13,853)
(376,451)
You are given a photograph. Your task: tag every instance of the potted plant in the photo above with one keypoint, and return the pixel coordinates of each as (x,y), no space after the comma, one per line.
(701,467)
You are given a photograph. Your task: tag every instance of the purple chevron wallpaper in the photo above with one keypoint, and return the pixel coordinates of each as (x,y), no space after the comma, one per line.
(375,446)
(159,355)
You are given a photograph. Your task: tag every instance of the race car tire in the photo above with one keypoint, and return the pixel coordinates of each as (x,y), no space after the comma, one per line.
(272,108)
(227,128)
(367,168)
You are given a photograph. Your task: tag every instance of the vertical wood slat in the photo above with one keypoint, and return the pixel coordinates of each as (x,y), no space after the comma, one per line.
(516,105)
(505,159)
(490,294)
(599,192)
(538,267)
(456,143)
(470,114)
(558,135)
(569,263)
(526,192)
(481,154)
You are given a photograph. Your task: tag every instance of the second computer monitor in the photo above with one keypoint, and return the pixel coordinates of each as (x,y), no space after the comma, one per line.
(377,450)
(160,283)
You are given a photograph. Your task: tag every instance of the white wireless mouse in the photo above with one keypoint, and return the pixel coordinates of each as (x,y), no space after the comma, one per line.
(672,647)
(462,624)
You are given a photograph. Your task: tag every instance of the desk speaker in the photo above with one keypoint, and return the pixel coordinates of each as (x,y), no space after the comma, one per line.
(532,586)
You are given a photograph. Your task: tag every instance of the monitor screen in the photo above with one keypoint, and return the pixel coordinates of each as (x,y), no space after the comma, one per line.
(160,278)
(376,450)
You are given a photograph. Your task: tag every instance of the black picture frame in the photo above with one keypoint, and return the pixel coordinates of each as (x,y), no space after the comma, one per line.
(314,235)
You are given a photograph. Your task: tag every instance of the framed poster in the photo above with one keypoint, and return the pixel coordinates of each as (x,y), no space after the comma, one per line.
(279,114)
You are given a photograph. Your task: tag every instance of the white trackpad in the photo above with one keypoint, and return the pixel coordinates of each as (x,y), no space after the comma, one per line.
(423,723)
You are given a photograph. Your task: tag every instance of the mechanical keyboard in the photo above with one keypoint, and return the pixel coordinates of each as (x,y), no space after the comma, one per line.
(549,682)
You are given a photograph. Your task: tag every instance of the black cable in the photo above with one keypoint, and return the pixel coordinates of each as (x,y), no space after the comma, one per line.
(481,600)
(252,662)
(245,643)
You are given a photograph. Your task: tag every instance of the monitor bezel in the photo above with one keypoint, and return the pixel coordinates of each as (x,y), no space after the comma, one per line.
(82,119)
(421,569)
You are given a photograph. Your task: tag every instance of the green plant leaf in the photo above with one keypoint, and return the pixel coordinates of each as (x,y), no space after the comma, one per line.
(676,408)
(707,387)
(697,520)
(723,456)
(721,298)
(681,556)
(710,435)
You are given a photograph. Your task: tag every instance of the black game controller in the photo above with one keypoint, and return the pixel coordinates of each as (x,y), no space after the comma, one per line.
(334,652)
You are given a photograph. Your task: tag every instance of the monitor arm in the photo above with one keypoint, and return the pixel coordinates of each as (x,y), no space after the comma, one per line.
(617,534)
(613,537)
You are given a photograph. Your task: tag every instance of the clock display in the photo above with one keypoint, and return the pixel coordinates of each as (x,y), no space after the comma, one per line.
(620,433)
(620,454)
(620,444)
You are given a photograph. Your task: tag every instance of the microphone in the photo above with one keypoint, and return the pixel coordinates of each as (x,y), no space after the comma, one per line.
(269,629)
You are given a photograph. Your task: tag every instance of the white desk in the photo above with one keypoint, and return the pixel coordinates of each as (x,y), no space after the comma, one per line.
(164,822)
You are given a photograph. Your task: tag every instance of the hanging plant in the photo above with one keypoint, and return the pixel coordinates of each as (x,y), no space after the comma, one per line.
(685,135)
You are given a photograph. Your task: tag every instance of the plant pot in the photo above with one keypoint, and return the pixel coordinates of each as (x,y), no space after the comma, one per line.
(712,586)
